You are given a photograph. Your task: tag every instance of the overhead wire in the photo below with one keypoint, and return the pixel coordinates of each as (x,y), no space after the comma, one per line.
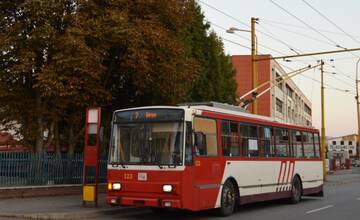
(330,21)
(300,34)
(303,22)
(318,81)
(312,28)
(240,36)
(268,35)
(302,27)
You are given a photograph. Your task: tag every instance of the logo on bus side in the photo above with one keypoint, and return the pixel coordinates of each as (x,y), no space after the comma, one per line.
(142,176)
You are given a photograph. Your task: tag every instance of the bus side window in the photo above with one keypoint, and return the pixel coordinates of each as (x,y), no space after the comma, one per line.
(230,138)
(249,140)
(308,139)
(267,143)
(296,144)
(282,142)
(205,135)
(317,145)
(188,144)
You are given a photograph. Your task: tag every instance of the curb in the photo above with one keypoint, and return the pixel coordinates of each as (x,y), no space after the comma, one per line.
(41,191)
(74,215)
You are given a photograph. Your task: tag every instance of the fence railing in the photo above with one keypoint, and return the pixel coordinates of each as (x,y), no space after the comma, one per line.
(21,169)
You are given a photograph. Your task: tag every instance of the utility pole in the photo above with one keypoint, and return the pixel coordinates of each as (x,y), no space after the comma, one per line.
(357,107)
(323,138)
(254,72)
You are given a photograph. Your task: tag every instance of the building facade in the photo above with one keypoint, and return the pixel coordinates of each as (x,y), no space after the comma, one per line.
(346,143)
(284,101)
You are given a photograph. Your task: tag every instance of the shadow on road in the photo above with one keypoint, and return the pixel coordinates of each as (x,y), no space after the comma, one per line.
(182,215)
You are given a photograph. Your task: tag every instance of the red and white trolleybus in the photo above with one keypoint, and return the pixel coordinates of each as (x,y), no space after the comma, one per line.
(204,156)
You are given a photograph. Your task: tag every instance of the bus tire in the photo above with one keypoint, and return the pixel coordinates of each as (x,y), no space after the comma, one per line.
(228,199)
(296,190)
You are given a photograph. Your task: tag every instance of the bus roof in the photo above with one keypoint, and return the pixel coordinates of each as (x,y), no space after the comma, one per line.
(221,109)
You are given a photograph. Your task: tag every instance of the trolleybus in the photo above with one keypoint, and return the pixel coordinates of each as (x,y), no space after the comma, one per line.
(206,156)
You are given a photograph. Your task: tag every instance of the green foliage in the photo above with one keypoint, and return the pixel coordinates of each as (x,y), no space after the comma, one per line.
(59,57)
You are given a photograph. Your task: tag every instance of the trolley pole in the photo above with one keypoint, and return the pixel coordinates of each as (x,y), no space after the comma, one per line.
(357,107)
(254,72)
(323,138)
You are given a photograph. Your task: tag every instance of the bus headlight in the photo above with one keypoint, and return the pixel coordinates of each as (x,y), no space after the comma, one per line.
(167,188)
(116,186)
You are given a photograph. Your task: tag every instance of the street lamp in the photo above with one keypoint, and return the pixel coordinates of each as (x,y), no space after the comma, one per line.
(254,72)
(357,107)
(232,30)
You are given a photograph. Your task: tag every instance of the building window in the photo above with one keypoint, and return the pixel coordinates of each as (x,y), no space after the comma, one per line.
(279,105)
(289,91)
(350,142)
(289,113)
(350,152)
(307,109)
(334,142)
(279,80)
(341,142)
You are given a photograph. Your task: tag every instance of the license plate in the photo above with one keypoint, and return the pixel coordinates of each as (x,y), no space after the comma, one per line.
(142,176)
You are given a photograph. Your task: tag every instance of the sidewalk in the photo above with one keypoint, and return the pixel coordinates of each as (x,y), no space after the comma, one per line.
(59,207)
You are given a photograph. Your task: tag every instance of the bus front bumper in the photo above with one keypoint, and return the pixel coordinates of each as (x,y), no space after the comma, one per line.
(143,202)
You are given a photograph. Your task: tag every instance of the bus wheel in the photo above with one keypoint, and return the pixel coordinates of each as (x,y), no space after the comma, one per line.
(228,199)
(296,190)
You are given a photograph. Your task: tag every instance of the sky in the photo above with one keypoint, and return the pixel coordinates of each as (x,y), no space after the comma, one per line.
(304,30)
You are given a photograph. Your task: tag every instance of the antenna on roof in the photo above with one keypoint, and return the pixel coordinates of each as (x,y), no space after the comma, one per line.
(215,105)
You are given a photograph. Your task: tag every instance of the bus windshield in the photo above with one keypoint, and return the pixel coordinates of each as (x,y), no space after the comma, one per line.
(147,138)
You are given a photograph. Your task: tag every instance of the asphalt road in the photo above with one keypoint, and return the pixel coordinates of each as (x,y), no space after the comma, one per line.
(341,201)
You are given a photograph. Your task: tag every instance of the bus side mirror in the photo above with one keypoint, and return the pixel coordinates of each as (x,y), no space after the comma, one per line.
(200,143)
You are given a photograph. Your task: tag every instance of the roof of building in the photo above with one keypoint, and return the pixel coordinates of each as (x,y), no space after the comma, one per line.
(344,136)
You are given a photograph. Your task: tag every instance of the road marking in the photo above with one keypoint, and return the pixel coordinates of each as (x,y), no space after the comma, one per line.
(319,209)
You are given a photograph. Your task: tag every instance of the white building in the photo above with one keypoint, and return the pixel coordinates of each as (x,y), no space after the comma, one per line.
(346,143)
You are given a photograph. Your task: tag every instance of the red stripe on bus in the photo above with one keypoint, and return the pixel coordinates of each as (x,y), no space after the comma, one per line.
(281,165)
(283,179)
(289,172)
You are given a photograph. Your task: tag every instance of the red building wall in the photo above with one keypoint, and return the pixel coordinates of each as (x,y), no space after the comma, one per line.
(242,65)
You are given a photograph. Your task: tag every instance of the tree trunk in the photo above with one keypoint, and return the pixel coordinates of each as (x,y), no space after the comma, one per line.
(57,138)
(71,140)
(51,134)
(40,127)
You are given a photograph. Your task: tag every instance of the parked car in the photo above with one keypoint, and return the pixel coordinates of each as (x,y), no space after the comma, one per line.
(355,163)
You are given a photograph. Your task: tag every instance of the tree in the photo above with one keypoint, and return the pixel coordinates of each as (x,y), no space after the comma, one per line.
(62,56)
(59,57)
(217,76)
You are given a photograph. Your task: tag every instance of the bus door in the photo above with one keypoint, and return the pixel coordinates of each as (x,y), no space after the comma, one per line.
(207,169)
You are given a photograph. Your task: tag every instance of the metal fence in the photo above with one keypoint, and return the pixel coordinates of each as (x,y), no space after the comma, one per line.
(21,169)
